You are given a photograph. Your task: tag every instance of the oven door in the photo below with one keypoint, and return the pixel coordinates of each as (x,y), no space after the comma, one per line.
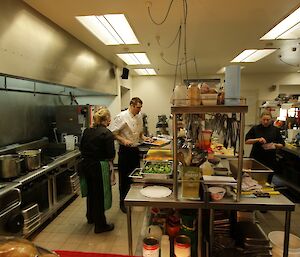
(11,218)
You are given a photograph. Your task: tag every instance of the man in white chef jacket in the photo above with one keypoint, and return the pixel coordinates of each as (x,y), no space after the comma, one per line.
(127,127)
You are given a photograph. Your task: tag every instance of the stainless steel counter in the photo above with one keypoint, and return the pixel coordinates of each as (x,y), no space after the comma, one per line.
(291,149)
(135,198)
(275,203)
(57,162)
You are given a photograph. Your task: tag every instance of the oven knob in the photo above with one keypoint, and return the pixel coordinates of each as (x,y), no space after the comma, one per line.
(15,223)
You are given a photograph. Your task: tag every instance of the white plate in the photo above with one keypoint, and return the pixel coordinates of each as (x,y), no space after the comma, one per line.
(156,191)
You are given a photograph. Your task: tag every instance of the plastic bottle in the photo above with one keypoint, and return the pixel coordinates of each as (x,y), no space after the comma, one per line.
(193,92)
(206,168)
(165,246)
(180,95)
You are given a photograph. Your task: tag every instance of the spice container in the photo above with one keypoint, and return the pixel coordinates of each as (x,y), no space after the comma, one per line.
(182,246)
(150,247)
(193,93)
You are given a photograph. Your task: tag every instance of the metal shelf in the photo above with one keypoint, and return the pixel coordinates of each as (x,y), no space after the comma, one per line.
(276,203)
(209,108)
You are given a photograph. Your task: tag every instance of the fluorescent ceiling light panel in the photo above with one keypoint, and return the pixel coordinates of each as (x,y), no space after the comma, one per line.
(111,29)
(145,71)
(292,33)
(243,55)
(134,58)
(282,27)
(253,55)
(259,54)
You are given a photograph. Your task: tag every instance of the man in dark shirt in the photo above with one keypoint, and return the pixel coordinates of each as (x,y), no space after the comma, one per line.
(265,139)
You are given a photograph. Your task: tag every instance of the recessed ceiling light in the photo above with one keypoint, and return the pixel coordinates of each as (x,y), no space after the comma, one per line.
(253,55)
(134,58)
(288,28)
(111,29)
(145,72)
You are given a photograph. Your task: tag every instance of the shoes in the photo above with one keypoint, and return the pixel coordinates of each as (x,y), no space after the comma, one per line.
(106,228)
(123,208)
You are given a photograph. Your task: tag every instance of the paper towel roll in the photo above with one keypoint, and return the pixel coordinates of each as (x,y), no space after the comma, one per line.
(232,84)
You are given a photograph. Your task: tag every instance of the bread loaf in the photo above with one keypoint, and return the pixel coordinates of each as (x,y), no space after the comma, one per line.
(18,248)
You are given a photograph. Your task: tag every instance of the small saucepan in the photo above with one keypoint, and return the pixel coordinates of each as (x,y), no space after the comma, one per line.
(32,159)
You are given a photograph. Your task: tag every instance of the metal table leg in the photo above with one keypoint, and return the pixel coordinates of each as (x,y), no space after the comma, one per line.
(286,233)
(129,230)
(211,231)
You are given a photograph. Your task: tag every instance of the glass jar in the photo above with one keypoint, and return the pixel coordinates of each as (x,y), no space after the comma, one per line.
(193,92)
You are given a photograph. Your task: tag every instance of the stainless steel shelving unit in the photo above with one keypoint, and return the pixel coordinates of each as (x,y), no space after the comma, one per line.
(276,203)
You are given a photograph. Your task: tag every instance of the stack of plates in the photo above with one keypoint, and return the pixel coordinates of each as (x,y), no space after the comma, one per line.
(32,218)
(75,183)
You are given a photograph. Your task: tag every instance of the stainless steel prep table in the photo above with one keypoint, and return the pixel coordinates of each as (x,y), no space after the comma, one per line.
(275,203)
(135,198)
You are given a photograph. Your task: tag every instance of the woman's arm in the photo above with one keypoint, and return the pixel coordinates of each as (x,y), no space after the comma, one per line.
(256,140)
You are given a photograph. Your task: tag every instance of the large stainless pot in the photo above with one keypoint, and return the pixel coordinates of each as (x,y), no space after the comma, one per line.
(10,166)
(32,159)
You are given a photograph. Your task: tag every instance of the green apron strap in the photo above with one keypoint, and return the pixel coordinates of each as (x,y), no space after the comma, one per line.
(106,184)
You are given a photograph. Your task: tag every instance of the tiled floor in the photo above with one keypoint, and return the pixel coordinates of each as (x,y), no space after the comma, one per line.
(70,231)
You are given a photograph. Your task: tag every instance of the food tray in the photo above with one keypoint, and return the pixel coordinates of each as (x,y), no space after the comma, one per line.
(157,169)
(136,173)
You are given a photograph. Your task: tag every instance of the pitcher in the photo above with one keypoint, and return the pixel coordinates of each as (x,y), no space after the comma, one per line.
(70,142)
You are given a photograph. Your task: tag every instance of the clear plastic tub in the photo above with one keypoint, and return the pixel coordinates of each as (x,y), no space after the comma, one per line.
(277,238)
(209,99)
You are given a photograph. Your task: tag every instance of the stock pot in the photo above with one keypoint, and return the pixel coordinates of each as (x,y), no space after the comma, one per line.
(10,166)
(32,159)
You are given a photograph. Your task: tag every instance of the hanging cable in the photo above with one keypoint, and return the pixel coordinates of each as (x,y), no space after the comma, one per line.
(174,40)
(185,37)
(174,64)
(196,67)
(293,65)
(177,58)
(167,14)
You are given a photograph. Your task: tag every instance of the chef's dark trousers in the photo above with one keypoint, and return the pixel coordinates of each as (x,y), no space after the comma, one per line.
(129,159)
(95,195)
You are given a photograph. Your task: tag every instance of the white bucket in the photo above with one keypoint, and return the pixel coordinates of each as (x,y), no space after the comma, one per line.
(70,142)
(277,239)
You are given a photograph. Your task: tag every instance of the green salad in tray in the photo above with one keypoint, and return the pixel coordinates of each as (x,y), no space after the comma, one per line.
(157,168)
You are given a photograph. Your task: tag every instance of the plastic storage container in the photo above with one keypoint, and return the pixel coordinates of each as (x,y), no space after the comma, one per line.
(194,96)
(277,238)
(209,99)
(180,95)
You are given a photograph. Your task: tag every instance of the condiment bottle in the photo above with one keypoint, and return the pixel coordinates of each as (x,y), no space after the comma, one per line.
(206,168)
(193,93)
(165,246)
(180,95)
(182,246)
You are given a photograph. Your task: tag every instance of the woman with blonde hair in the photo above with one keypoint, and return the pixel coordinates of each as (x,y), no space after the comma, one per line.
(97,150)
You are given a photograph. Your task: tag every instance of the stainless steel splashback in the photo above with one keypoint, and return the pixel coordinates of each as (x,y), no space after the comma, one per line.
(33,47)
(25,116)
